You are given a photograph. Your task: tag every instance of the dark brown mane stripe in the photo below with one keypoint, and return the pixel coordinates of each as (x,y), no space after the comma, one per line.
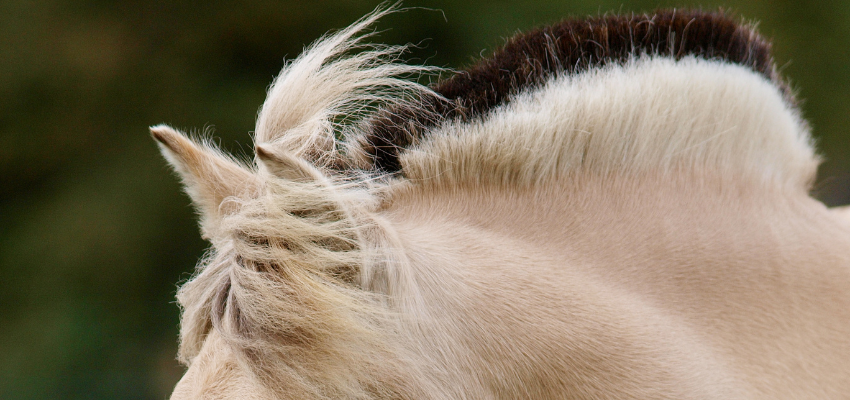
(571,47)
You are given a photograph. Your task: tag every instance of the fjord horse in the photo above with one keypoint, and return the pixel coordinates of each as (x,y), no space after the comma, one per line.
(606,208)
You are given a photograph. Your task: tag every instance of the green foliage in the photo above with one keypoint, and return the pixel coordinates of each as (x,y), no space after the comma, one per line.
(94,233)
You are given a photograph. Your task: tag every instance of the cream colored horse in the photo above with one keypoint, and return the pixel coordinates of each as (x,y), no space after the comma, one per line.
(605,209)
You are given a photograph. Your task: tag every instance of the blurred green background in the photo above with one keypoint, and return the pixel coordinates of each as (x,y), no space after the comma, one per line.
(95,233)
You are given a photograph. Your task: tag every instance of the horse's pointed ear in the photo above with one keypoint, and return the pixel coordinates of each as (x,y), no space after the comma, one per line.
(286,166)
(208,175)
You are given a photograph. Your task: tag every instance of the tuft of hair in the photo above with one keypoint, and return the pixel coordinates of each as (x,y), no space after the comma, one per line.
(283,288)
(294,238)
(320,97)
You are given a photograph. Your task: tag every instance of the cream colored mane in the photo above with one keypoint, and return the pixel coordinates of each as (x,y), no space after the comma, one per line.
(330,277)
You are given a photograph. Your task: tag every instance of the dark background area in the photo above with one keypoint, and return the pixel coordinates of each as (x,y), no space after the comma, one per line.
(95,233)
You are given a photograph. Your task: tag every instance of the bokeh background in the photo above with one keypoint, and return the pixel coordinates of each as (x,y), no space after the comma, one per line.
(95,233)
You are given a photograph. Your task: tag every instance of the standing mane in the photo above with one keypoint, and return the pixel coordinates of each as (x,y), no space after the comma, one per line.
(571,47)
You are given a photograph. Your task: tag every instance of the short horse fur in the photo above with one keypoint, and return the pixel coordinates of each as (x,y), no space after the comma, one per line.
(606,208)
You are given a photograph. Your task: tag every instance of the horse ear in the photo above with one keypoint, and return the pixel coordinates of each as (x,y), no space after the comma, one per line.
(208,175)
(286,166)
